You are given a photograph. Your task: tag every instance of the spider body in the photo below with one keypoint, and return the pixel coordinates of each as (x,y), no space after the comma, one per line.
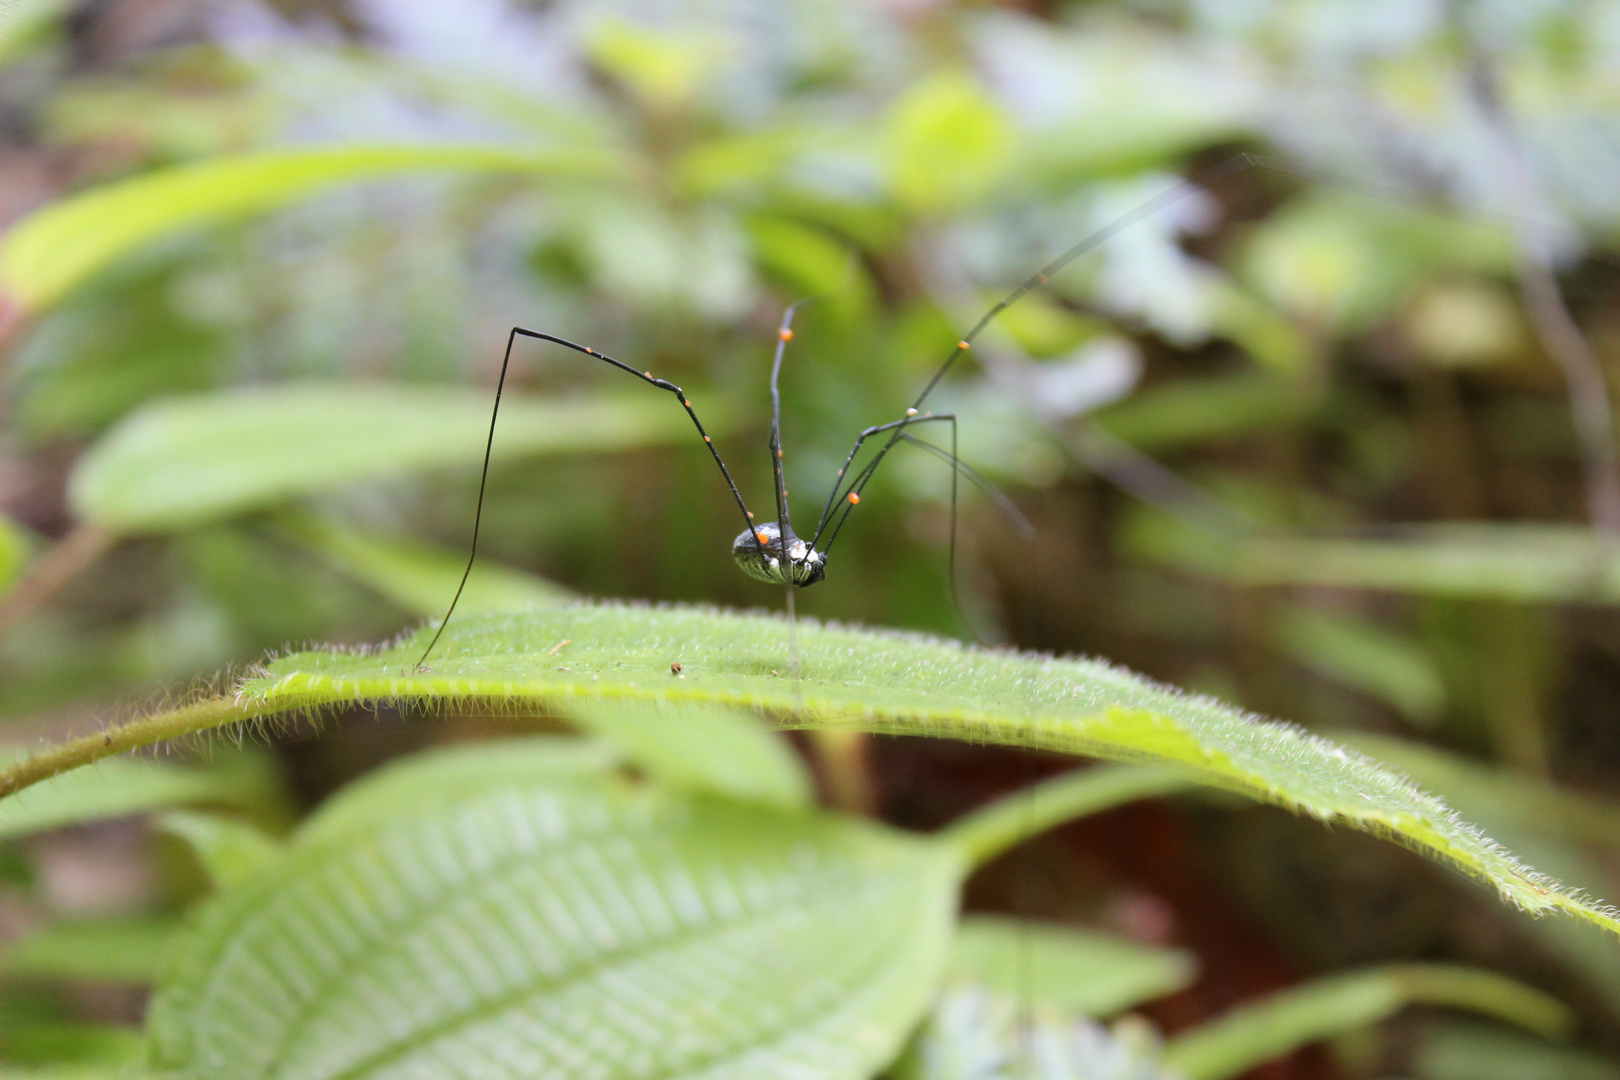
(758,551)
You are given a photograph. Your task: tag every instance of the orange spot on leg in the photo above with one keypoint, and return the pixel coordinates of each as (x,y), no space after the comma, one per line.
(785,334)
(854,498)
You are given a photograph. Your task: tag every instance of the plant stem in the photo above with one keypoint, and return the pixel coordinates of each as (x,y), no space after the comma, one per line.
(186,720)
(1289,1019)
(990,830)
(1555,327)
(846,768)
(51,571)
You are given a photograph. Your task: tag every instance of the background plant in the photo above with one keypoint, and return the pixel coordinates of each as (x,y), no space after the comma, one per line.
(1320,367)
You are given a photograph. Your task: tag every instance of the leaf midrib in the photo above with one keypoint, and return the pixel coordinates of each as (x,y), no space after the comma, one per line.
(497,871)
(493,1007)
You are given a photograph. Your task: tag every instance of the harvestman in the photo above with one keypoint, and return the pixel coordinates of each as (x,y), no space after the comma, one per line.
(770,550)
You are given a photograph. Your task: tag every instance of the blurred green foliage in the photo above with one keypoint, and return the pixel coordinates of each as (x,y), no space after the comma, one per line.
(1346,487)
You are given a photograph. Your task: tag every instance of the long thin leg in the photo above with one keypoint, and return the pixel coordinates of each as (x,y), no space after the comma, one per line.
(837,492)
(850,495)
(489,444)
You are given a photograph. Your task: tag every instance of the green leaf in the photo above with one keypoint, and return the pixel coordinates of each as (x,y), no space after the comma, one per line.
(14,547)
(702,748)
(421,578)
(990,830)
(563,925)
(1365,656)
(457,773)
(947,142)
(906,685)
(1504,794)
(123,951)
(1292,1018)
(1048,964)
(1531,563)
(185,461)
(116,787)
(1471,1051)
(229,849)
(1540,820)
(25,22)
(59,247)
(664,68)
(1188,411)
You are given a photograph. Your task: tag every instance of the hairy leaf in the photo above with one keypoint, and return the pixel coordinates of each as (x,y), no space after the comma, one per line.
(559,923)
(908,685)
(56,249)
(185,461)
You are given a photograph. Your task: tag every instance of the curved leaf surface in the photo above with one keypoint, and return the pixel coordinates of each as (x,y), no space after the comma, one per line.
(419,577)
(117,787)
(1065,967)
(903,684)
(563,924)
(1289,1019)
(186,461)
(62,245)
(1528,563)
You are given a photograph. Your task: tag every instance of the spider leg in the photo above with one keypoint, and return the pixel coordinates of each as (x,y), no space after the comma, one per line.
(489,444)
(850,495)
(998,498)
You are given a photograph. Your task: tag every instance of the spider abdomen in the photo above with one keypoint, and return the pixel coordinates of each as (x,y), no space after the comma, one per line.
(759,552)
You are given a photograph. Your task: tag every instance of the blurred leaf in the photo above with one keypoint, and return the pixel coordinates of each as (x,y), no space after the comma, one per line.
(117,787)
(125,951)
(458,773)
(1052,965)
(228,848)
(1178,414)
(1524,562)
(1470,1051)
(719,165)
(64,1050)
(178,463)
(506,924)
(1346,261)
(1283,1022)
(24,23)
(811,261)
(891,683)
(988,831)
(1359,653)
(111,347)
(947,143)
(701,748)
(1275,343)
(14,547)
(421,578)
(664,69)
(58,247)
